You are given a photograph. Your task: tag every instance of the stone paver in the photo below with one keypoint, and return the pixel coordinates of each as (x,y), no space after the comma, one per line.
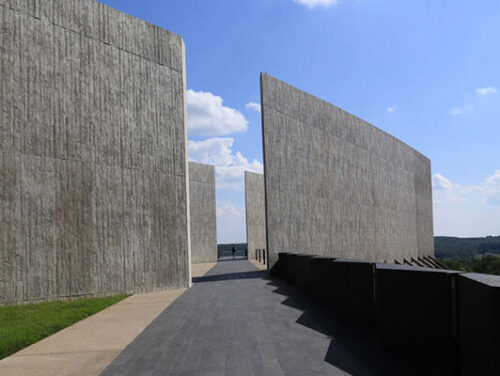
(233,321)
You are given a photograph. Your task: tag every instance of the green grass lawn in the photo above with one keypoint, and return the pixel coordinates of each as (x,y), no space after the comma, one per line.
(23,325)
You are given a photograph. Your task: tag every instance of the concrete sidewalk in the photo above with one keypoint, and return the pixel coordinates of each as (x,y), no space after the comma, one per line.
(89,346)
(258,265)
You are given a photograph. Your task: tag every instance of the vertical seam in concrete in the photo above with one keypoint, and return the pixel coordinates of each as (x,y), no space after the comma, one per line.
(186,162)
(262,106)
(246,213)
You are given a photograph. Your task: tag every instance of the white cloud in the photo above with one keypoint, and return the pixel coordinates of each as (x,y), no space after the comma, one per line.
(391,109)
(440,182)
(230,210)
(486,90)
(207,116)
(462,110)
(230,222)
(466,210)
(316,3)
(230,167)
(254,107)
(491,189)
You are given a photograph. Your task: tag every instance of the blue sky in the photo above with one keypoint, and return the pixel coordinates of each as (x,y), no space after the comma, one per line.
(427,72)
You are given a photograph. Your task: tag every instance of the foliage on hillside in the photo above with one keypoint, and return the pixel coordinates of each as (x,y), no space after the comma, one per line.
(486,265)
(465,248)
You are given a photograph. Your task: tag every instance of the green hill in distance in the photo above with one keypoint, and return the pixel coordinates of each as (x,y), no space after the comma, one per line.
(478,255)
(466,248)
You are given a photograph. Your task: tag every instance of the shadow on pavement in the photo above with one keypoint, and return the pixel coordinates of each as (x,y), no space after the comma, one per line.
(237,258)
(224,277)
(353,349)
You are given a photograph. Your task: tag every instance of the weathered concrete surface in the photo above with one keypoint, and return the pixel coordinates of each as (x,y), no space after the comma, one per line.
(202,209)
(255,212)
(93,166)
(338,186)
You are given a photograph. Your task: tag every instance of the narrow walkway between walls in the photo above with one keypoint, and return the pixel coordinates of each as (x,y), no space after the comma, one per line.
(235,321)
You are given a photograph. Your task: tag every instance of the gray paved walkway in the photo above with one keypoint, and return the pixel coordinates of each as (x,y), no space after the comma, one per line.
(233,321)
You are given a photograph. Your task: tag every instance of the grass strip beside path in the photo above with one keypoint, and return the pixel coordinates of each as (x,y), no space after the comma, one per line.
(23,325)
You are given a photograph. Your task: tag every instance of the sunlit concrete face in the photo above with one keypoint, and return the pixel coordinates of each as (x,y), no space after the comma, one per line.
(255,212)
(202,213)
(93,167)
(338,186)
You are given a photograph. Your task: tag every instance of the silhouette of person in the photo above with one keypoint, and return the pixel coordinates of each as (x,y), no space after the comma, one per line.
(234,251)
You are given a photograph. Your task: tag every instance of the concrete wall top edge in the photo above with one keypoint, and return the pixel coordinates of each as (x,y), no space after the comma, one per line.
(200,172)
(251,173)
(382,266)
(108,25)
(254,180)
(418,154)
(351,261)
(201,164)
(486,279)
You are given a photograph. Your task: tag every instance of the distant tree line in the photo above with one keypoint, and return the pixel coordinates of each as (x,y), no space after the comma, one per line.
(486,247)
(478,255)
(487,265)
(465,248)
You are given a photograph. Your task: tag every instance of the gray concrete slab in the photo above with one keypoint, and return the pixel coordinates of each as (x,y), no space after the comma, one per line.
(338,186)
(234,321)
(416,314)
(255,213)
(478,297)
(202,213)
(93,153)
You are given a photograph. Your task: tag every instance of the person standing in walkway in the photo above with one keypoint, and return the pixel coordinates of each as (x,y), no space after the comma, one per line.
(234,252)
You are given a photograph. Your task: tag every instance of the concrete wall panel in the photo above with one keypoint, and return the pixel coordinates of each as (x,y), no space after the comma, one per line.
(478,297)
(203,213)
(416,314)
(255,212)
(93,178)
(338,186)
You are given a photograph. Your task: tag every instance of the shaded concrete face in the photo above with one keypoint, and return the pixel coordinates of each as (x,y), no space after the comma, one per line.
(202,209)
(414,305)
(93,168)
(255,212)
(338,186)
(478,297)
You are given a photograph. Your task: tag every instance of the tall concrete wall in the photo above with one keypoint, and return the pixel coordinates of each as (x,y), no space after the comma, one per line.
(255,212)
(202,213)
(338,186)
(93,167)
